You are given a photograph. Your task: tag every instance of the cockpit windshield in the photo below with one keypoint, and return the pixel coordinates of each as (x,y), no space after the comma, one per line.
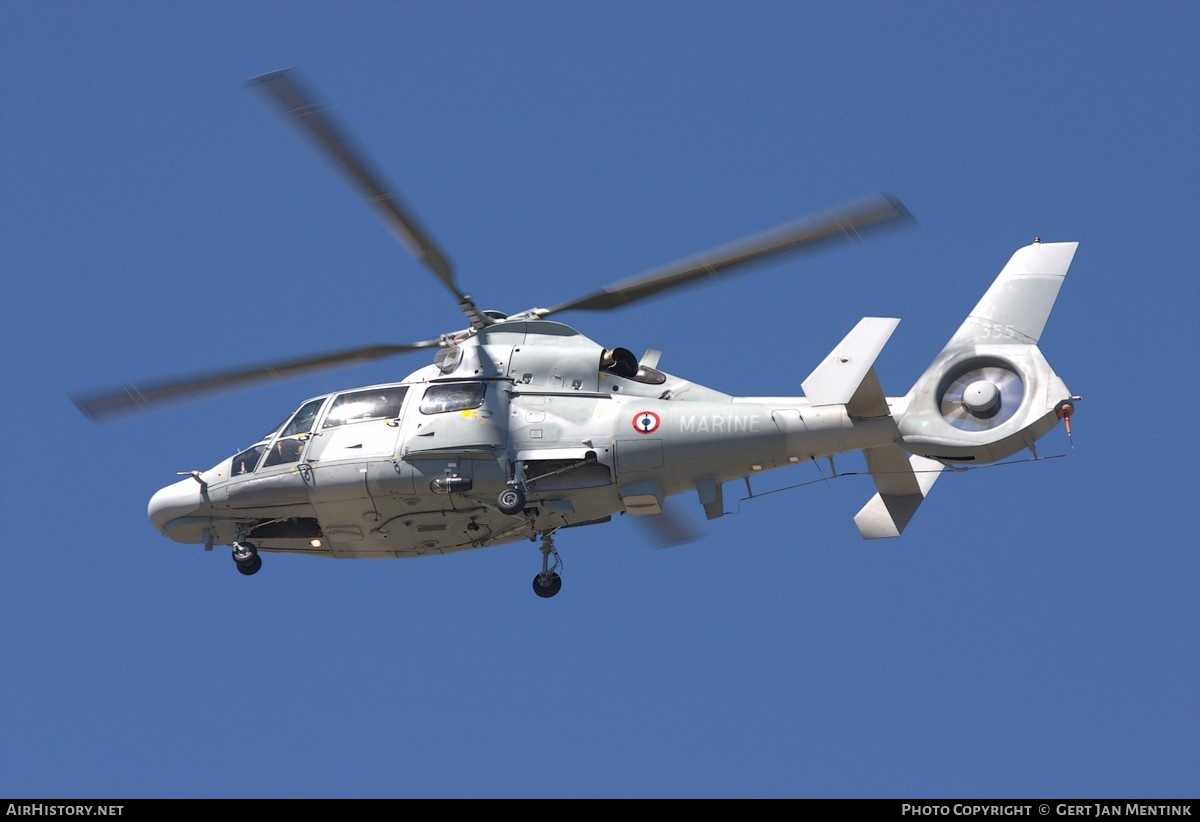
(303,421)
(275,430)
(285,443)
(289,443)
(247,461)
(286,447)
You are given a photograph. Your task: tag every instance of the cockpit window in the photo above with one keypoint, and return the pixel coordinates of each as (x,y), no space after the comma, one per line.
(358,406)
(275,430)
(453,396)
(287,447)
(619,361)
(622,363)
(302,422)
(290,442)
(247,461)
(648,375)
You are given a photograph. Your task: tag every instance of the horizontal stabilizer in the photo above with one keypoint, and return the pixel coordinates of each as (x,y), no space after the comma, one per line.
(838,377)
(903,483)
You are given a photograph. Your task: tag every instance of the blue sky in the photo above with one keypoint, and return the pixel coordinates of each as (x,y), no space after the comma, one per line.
(1033,634)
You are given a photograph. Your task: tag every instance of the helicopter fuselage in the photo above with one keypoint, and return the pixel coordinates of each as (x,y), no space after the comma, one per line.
(414,468)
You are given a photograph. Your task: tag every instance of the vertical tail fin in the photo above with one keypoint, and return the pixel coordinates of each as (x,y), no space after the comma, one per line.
(1015,309)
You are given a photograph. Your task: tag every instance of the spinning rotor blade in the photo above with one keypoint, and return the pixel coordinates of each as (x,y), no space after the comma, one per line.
(284,89)
(847,222)
(130,398)
(667,529)
(1009,393)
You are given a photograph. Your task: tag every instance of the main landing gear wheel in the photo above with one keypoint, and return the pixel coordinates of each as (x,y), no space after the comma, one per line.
(511,501)
(246,557)
(547,584)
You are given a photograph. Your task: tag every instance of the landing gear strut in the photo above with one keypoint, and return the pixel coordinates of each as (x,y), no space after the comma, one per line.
(246,557)
(548,583)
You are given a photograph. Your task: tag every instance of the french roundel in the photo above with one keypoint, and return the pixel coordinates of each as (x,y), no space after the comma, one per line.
(646,422)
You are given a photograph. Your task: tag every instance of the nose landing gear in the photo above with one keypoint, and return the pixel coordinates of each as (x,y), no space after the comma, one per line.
(511,501)
(246,557)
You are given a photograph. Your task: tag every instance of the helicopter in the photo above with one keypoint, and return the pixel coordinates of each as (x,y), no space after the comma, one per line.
(521,427)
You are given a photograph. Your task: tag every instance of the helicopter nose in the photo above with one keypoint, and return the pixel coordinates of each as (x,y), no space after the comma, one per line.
(174,501)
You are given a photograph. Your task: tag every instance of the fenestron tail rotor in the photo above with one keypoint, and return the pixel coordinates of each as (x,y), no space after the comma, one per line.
(982,397)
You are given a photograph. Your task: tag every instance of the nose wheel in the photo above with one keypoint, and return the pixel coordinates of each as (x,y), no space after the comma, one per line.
(548,583)
(511,501)
(246,558)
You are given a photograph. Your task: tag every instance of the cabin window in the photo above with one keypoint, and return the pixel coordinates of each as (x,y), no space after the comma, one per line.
(453,396)
(360,406)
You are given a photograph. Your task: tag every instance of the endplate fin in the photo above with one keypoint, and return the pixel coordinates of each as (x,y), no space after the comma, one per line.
(903,482)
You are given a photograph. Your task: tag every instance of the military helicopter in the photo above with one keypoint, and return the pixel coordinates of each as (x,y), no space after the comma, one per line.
(522,427)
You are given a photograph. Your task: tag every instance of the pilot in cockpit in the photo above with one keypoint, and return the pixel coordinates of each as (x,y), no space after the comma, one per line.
(619,361)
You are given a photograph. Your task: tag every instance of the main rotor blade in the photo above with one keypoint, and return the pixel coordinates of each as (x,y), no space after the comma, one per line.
(106,405)
(284,89)
(847,222)
(667,529)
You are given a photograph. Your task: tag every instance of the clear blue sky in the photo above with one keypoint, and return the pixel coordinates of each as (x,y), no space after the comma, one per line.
(1034,633)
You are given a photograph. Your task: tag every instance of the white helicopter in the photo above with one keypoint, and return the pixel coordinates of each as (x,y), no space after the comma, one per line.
(522,426)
